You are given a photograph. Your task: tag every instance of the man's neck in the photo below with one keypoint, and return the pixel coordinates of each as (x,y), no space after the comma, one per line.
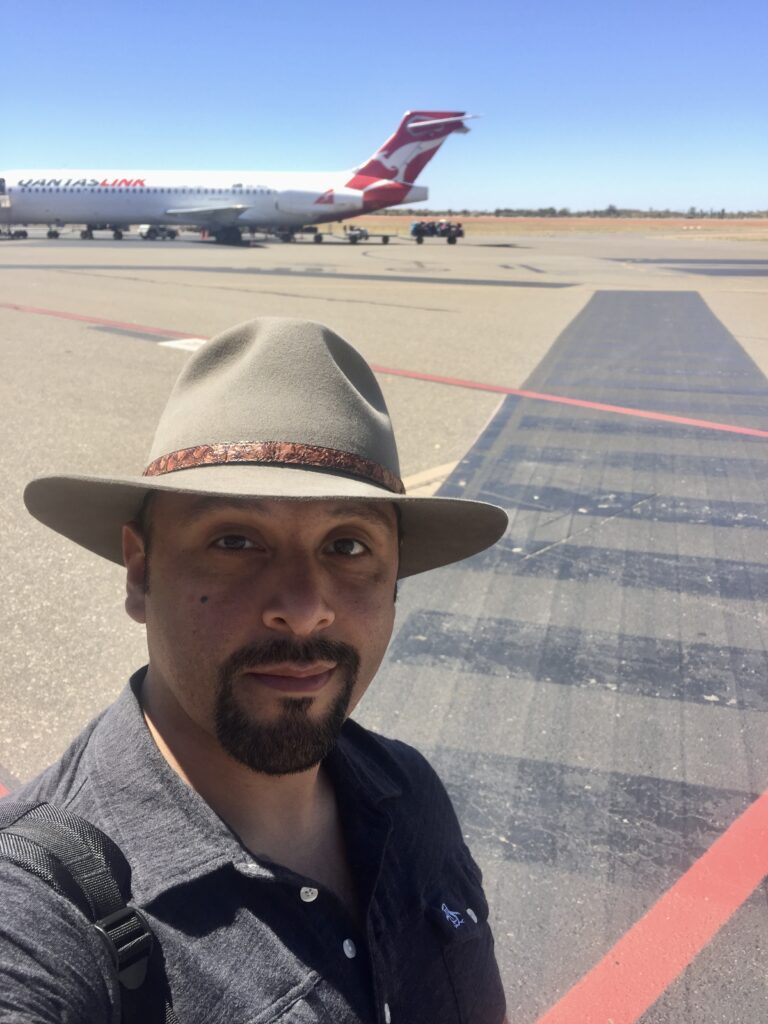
(252,803)
(292,819)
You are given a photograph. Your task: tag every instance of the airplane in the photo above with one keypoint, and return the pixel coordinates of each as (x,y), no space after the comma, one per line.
(224,202)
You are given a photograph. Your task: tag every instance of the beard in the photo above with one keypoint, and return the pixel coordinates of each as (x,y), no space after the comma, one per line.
(294,741)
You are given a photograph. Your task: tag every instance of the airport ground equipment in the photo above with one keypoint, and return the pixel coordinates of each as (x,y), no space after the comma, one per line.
(155,232)
(356,234)
(421,229)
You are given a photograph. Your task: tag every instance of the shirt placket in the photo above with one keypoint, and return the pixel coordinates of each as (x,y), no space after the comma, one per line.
(370,832)
(320,913)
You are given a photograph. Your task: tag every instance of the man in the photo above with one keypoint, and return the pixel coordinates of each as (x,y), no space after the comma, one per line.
(293,866)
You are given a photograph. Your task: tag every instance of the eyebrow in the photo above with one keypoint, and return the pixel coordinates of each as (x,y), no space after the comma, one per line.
(374,511)
(206,504)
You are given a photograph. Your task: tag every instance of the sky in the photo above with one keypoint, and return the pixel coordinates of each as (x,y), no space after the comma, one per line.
(636,103)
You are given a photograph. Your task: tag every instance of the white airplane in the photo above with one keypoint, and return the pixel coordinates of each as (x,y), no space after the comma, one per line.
(225,202)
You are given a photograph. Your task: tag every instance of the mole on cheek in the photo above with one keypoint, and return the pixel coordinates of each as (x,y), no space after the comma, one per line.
(203,599)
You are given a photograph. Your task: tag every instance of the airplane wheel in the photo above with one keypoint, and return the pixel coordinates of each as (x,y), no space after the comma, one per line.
(117,234)
(385,239)
(151,235)
(318,237)
(86,235)
(52,234)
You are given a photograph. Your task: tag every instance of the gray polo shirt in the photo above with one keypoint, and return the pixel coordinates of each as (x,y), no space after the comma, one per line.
(240,938)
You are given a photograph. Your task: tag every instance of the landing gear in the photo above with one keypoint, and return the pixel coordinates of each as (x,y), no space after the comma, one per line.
(286,236)
(117,234)
(52,233)
(87,234)
(228,236)
(318,237)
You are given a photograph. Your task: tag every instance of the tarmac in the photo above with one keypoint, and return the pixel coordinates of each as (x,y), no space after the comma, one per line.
(592,689)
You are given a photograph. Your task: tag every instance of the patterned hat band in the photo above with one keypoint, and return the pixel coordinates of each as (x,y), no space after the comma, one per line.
(277,453)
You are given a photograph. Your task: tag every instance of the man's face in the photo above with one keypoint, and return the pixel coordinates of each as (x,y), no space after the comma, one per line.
(266,620)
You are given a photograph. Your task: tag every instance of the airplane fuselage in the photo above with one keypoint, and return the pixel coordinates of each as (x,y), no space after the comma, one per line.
(204,198)
(224,202)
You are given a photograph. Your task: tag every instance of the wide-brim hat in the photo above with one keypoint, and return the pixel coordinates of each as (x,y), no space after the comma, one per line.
(274,408)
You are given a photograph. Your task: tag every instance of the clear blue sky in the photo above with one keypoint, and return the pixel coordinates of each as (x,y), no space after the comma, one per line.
(585,103)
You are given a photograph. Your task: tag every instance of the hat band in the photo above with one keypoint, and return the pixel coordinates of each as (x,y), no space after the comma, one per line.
(277,453)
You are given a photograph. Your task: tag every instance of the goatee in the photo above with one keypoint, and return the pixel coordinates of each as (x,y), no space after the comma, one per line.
(294,741)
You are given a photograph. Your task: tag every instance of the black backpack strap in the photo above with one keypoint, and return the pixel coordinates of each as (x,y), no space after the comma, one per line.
(85,866)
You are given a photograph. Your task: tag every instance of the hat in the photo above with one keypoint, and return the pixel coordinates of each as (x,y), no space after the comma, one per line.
(273,408)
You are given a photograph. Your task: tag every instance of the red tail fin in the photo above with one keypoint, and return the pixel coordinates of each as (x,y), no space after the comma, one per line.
(403,156)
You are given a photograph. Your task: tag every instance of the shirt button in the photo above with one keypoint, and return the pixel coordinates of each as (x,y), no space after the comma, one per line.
(308,894)
(472,914)
(350,949)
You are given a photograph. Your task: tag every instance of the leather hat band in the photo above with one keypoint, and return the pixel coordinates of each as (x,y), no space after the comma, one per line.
(277,453)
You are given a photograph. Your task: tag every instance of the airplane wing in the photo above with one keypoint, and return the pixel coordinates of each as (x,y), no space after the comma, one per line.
(209,214)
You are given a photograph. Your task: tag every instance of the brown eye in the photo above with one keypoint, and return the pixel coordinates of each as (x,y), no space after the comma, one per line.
(349,547)
(233,542)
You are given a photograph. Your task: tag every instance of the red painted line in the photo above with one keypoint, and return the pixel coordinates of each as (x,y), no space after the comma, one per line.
(3,791)
(122,325)
(432,378)
(580,402)
(655,951)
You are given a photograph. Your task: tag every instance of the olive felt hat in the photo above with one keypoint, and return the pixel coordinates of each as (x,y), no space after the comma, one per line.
(272,408)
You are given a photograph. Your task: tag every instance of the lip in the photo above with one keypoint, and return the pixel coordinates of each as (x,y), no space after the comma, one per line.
(293,678)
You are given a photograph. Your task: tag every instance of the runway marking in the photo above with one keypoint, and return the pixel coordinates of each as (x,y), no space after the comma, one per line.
(186,344)
(161,332)
(427,481)
(643,964)
(581,403)
(538,396)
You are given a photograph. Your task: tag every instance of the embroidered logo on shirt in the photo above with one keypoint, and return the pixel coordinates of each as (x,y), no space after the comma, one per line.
(452,916)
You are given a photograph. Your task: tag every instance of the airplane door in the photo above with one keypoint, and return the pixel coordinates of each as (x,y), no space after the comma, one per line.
(5,201)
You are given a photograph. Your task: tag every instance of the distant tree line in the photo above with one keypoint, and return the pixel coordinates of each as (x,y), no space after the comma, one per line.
(608,211)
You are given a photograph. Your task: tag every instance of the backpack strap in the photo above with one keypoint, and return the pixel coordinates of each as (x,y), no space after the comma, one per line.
(84,865)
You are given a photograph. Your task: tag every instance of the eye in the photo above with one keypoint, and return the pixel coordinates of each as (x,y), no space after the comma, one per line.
(348,546)
(233,542)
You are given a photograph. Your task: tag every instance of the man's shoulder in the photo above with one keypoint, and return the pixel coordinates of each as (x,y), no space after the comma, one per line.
(54,968)
(65,781)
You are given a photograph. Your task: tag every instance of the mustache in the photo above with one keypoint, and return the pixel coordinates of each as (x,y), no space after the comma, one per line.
(289,649)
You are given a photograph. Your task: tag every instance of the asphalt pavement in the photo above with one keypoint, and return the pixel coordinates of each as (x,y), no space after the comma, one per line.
(592,689)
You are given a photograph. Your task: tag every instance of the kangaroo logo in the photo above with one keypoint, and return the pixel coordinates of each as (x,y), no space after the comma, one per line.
(451,916)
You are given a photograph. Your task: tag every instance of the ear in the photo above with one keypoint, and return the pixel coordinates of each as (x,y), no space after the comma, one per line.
(134,559)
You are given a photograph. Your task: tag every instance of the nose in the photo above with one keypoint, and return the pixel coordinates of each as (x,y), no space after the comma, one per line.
(297,603)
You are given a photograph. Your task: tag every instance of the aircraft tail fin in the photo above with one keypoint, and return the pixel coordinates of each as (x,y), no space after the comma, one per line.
(405,154)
